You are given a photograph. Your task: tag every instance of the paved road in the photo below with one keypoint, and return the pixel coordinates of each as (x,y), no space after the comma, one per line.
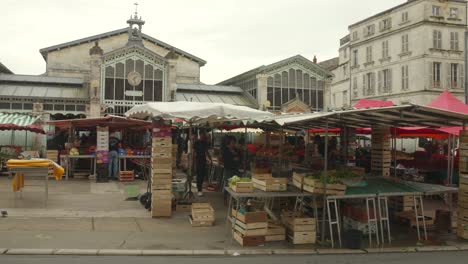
(413,258)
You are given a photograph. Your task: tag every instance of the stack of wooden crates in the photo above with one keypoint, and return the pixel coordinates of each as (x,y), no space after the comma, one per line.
(462,221)
(250,228)
(300,229)
(381,155)
(161,164)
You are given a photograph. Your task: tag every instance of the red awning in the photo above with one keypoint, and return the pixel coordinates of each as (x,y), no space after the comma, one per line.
(367,103)
(447,101)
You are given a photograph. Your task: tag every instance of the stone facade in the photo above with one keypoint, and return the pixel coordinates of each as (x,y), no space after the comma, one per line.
(408,54)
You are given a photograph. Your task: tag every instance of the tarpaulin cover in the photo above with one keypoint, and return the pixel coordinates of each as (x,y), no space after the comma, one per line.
(198,112)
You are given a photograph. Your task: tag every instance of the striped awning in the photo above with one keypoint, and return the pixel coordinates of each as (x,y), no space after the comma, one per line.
(16,121)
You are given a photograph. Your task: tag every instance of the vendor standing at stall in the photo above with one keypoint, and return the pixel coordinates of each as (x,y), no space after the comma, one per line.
(113,158)
(201,147)
(231,159)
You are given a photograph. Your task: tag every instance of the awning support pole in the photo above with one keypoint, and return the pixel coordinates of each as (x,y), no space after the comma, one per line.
(325,173)
(245,152)
(394,153)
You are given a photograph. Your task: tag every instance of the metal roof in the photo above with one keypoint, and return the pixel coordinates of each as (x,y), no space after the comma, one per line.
(44,51)
(267,68)
(209,88)
(43,92)
(206,97)
(395,116)
(40,79)
(4,69)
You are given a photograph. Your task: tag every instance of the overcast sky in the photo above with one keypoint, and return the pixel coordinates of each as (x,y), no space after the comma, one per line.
(233,36)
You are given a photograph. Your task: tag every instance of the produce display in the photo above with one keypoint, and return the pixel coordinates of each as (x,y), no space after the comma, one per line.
(74,152)
(241,185)
(235,179)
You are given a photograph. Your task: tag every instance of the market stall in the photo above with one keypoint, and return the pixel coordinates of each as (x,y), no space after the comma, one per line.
(89,140)
(12,144)
(380,119)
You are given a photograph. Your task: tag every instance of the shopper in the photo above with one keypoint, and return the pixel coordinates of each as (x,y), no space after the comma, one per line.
(113,158)
(231,158)
(201,147)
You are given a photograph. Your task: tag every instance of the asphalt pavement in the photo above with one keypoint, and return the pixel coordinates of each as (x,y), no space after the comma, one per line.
(458,257)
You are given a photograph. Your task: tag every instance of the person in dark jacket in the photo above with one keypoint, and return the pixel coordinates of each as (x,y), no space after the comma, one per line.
(231,158)
(201,147)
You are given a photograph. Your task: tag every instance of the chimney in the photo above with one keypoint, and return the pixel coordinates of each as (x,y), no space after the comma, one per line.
(315,59)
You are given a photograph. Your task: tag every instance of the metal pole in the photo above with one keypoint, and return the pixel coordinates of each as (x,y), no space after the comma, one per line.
(325,172)
(245,152)
(394,153)
(26,141)
(449,157)
(281,151)
(466,68)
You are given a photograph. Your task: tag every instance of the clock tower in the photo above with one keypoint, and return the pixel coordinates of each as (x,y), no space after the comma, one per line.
(135,24)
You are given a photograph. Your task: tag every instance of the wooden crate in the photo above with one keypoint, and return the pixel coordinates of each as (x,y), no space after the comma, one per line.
(243,187)
(200,223)
(162,194)
(52,155)
(162,175)
(249,241)
(253,229)
(161,155)
(161,208)
(271,184)
(275,232)
(261,176)
(202,212)
(125,176)
(184,207)
(157,161)
(250,217)
(314,186)
(162,142)
(162,150)
(302,237)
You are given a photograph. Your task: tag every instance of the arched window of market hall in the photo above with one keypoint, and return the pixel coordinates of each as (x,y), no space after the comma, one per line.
(132,80)
(289,84)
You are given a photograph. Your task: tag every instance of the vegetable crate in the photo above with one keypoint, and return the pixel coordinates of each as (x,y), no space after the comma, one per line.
(275,232)
(271,184)
(301,230)
(250,228)
(202,215)
(315,186)
(243,187)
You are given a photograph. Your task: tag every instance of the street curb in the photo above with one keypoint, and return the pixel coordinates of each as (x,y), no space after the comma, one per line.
(29,251)
(77,252)
(332,251)
(295,252)
(391,250)
(230,252)
(437,248)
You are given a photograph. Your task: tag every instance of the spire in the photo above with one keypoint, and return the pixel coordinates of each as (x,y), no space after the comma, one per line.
(135,24)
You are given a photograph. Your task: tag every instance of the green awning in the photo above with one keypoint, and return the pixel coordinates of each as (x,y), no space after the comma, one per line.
(17,121)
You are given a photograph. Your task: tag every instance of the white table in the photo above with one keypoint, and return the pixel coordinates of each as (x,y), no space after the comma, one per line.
(125,157)
(40,172)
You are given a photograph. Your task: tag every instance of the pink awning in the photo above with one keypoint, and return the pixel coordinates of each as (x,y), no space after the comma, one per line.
(368,103)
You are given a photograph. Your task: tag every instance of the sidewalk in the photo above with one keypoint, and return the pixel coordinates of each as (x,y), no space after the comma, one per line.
(84,215)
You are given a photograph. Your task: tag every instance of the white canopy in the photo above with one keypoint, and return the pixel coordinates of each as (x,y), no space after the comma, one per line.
(198,112)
